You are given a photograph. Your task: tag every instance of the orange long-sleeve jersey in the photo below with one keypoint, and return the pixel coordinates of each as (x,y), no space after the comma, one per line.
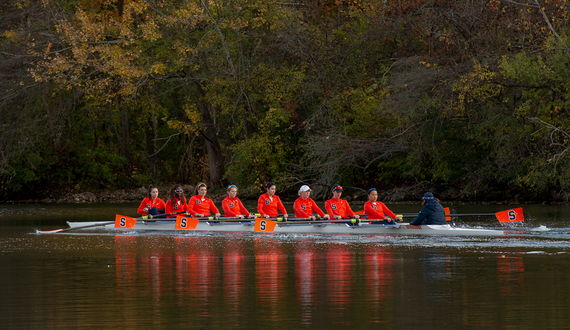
(234,207)
(268,206)
(377,210)
(304,208)
(199,205)
(179,205)
(148,202)
(338,207)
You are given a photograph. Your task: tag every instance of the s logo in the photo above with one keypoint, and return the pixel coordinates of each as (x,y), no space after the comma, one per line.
(198,202)
(262,224)
(231,205)
(512,215)
(183,223)
(303,207)
(374,207)
(267,202)
(123,222)
(333,206)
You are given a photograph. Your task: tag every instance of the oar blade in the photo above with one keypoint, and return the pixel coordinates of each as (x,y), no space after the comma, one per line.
(446,210)
(512,215)
(264,225)
(124,222)
(183,222)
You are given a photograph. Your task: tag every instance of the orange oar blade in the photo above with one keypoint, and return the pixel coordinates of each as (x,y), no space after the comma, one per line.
(122,221)
(513,215)
(186,222)
(264,225)
(446,210)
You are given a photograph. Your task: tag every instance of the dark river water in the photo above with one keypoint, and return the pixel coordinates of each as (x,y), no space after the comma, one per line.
(95,279)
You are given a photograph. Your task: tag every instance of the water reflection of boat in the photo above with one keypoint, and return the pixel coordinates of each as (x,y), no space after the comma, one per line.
(291,227)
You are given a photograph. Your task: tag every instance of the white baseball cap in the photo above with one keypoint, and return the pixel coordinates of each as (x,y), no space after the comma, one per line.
(304,188)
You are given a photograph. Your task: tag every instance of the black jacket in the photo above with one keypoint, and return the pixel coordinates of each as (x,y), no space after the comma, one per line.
(432,213)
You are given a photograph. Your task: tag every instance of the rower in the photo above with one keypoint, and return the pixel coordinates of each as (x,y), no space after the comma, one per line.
(304,206)
(199,205)
(152,204)
(269,203)
(232,205)
(338,208)
(176,201)
(376,210)
(432,213)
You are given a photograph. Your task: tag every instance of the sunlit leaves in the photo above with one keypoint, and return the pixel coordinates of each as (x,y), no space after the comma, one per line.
(475,86)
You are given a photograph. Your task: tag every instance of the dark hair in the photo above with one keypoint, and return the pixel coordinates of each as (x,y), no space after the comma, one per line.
(172,194)
(198,186)
(150,188)
(371,190)
(269,185)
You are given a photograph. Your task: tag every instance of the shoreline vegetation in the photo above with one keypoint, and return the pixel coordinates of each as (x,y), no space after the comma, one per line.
(467,99)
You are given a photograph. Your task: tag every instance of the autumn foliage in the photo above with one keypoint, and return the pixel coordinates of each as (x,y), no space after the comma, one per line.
(467,98)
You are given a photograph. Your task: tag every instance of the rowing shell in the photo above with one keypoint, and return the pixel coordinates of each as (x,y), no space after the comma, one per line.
(321,228)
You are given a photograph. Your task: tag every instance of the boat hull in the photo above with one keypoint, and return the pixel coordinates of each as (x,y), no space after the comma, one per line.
(332,228)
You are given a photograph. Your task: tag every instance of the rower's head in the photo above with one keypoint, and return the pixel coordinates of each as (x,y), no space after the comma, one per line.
(152,192)
(232,191)
(372,194)
(201,189)
(428,196)
(176,192)
(304,191)
(336,191)
(270,187)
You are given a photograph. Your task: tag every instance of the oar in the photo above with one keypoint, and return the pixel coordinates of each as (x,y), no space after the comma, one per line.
(512,215)
(266,225)
(118,219)
(182,222)
(411,215)
(187,222)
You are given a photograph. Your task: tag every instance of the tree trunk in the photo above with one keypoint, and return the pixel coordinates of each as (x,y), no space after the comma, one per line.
(154,157)
(213,149)
(126,148)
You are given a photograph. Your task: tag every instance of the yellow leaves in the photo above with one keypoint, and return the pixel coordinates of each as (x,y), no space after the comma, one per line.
(21,4)
(428,64)
(193,125)
(150,31)
(475,86)
(158,68)
(235,24)
(10,36)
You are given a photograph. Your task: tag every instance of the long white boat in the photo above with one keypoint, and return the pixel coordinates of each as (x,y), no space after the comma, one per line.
(291,227)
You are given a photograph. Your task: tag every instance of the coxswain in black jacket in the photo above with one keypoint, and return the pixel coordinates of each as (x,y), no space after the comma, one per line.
(432,212)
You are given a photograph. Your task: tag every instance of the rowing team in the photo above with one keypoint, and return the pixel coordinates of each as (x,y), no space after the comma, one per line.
(269,205)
